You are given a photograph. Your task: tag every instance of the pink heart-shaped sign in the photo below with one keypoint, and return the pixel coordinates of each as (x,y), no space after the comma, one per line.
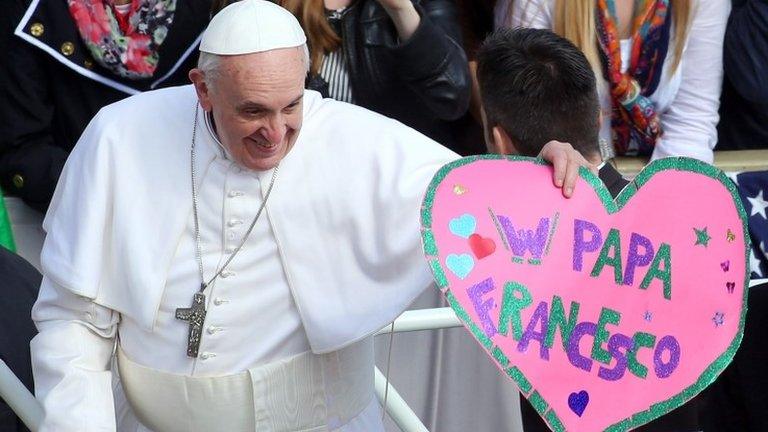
(606,313)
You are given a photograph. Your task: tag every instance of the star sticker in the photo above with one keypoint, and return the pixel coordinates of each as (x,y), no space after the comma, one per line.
(730,236)
(758,205)
(648,316)
(718,319)
(459,189)
(702,237)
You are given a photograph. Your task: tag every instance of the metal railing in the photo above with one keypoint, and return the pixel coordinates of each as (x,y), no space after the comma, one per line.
(728,161)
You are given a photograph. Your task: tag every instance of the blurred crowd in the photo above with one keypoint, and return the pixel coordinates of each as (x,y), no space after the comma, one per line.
(673,77)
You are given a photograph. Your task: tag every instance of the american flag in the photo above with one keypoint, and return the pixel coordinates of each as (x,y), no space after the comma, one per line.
(753,189)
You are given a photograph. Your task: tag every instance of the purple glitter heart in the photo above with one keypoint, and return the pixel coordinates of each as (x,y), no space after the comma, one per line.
(725,265)
(578,402)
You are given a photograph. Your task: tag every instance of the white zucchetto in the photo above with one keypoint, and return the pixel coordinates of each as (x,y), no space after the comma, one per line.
(251,26)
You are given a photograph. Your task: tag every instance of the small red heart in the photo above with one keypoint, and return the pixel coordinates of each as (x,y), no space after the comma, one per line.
(481,246)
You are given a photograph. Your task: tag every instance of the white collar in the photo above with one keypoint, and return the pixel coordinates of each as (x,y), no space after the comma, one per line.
(223,152)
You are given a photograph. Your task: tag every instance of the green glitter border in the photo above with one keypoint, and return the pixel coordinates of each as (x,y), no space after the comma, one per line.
(612,206)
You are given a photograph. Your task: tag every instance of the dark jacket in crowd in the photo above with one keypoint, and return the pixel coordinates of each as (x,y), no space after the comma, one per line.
(423,82)
(738,401)
(682,419)
(744,101)
(50,87)
(19,283)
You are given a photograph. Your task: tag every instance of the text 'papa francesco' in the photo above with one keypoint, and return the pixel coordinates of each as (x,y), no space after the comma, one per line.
(590,243)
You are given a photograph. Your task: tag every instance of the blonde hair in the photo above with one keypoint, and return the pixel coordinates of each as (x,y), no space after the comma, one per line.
(575,20)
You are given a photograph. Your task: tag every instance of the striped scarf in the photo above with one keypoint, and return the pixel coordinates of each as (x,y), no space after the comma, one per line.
(634,121)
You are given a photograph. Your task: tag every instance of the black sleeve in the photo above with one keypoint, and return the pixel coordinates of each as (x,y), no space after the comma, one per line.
(433,63)
(26,144)
(745,56)
(8,420)
(18,291)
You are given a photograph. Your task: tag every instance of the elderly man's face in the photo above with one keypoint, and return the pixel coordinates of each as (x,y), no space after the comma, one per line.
(256,101)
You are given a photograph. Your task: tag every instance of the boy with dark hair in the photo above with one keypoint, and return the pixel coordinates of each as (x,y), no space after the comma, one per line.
(536,87)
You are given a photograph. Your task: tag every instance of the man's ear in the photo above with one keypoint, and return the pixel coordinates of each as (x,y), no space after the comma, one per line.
(501,143)
(201,87)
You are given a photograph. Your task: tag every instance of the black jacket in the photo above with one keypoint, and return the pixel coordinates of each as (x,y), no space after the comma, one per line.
(50,87)
(423,82)
(18,291)
(744,102)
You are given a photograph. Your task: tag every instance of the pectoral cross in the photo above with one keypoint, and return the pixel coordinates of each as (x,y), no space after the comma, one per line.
(195,314)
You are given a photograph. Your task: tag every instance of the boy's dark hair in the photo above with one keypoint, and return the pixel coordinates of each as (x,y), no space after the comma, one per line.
(538,87)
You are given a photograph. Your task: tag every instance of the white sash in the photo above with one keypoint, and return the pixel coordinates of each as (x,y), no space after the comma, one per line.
(305,393)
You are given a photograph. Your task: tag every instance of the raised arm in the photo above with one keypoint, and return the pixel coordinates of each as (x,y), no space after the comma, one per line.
(429,56)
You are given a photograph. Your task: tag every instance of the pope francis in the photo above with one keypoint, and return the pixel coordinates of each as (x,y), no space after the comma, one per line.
(218,255)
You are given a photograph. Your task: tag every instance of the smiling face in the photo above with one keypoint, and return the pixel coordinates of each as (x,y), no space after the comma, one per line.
(256,102)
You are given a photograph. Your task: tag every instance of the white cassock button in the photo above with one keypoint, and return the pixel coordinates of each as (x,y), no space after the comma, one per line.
(226,273)
(231,235)
(218,301)
(213,329)
(234,222)
(235,194)
(207,355)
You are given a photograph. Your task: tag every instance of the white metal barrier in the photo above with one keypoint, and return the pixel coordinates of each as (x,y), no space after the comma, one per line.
(29,410)
(21,401)
(416,320)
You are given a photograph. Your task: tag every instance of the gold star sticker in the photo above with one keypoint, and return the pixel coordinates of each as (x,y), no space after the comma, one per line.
(730,236)
(459,189)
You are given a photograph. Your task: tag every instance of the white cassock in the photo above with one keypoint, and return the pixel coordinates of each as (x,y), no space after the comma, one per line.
(287,342)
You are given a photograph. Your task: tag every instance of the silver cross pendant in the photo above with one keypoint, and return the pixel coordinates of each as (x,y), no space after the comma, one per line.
(195,314)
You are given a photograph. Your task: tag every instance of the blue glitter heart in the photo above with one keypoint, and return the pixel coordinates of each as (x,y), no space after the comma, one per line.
(463,226)
(578,402)
(460,265)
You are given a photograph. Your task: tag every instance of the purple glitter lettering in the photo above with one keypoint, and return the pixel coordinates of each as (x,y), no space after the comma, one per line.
(617,342)
(482,307)
(634,259)
(670,344)
(580,245)
(574,356)
(540,314)
(525,239)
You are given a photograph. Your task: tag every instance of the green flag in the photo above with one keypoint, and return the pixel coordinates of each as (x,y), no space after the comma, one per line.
(6,235)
